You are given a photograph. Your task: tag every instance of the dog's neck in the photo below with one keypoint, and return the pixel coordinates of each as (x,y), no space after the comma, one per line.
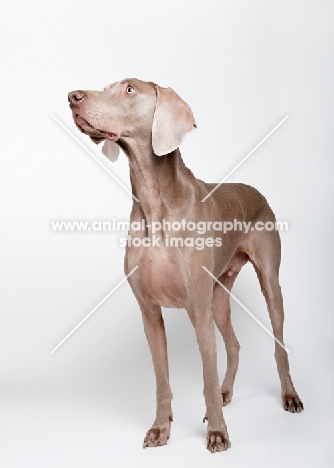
(161,183)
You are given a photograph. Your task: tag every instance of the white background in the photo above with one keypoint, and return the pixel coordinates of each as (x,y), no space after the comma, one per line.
(242,66)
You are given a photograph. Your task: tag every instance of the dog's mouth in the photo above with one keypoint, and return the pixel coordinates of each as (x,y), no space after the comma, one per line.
(95,134)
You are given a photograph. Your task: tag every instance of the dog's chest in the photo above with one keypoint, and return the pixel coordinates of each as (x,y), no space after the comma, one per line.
(161,276)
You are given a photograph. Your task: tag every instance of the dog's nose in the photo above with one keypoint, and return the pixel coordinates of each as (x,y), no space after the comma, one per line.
(75,97)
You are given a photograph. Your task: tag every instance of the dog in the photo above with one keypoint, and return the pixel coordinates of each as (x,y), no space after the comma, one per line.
(148,123)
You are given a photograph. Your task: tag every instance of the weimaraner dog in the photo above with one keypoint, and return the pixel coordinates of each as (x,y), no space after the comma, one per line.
(148,123)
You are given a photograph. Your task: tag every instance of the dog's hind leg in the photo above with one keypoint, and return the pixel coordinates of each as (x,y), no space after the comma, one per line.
(265,256)
(222,317)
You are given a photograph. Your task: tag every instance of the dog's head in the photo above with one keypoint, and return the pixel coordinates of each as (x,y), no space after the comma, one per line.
(132,109)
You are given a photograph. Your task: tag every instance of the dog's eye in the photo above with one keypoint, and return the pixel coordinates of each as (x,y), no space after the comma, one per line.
(130,90)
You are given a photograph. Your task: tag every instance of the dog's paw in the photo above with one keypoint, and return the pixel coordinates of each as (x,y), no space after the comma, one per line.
(292,403)
(157,436)
(217,441)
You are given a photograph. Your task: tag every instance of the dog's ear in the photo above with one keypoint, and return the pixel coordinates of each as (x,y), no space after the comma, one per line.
(172,120)
(110,149)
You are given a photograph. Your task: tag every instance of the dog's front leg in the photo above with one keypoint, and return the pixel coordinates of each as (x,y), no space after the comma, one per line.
(217,436)
(154,328)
